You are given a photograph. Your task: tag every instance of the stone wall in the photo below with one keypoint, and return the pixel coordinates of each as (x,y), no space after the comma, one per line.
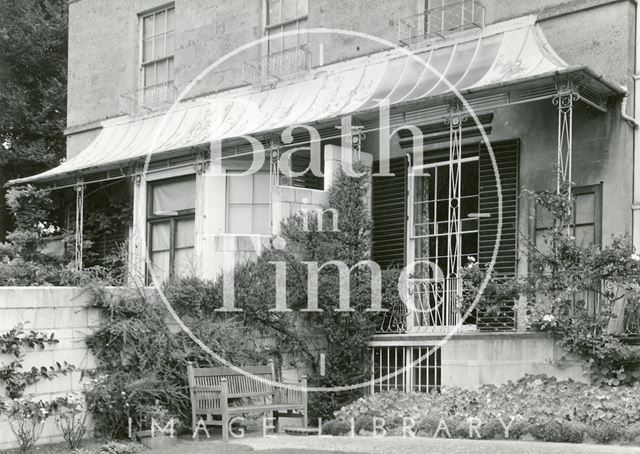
(59,310)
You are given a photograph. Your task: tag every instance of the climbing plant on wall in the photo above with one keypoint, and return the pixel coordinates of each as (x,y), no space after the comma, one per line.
(15,343)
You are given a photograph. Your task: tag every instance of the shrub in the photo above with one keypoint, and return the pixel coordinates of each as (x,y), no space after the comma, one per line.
(606,432)
(26,420)
(559,432)
(427,425)
(519,429)
(565,407)
(632,433)
(71,416)
(336,427)
(364,422)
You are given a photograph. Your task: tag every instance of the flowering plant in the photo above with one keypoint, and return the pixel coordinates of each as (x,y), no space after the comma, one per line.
(26,420)
(71,416)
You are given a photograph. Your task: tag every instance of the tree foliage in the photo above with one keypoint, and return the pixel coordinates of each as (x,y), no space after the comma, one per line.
(33,75)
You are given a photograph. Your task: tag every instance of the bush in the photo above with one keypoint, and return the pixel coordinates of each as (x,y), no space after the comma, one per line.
(559,432)
(632,434)
(427,426)
(566,408)
(336,427)
(606,432)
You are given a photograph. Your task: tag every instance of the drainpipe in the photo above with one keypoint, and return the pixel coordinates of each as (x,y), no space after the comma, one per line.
(635,207)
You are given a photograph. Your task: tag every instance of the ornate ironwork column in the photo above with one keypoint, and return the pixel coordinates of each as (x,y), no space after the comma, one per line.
(79,223)
(453,288)
(567,94)
(274,181)
(454,250)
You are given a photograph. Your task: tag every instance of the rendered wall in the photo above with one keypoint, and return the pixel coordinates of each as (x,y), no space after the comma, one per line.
(474,359)
(59,310)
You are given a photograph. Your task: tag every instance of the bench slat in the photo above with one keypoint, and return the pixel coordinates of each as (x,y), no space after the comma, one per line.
(213,388)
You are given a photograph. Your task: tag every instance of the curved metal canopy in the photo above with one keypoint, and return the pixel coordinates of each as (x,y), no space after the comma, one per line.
(504,53)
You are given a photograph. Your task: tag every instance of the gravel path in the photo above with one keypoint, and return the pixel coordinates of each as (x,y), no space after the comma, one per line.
(398,445)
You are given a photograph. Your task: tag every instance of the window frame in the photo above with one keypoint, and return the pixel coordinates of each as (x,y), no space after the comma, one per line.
(227,204)
(154,62)
(278,27)
(172,219)
(596,190)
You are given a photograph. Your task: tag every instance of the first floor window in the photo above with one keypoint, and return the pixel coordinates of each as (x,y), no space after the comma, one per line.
(286,53)
(172,227)
(248,203)
(157,49)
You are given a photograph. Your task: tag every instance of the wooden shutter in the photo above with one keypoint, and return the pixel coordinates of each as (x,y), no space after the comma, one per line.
(506,158)
(389,215)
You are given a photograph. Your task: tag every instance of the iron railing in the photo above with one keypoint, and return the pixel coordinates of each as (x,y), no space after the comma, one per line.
(441,21)
(405,369)
(438,304)
(148,98)
(275,66)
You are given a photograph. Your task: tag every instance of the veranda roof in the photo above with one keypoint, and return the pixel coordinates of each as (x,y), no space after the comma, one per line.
(498,56)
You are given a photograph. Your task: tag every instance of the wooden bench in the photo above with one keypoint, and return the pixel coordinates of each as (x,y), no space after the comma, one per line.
(223,392)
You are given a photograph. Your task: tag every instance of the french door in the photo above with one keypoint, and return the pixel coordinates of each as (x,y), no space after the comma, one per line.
(443,237)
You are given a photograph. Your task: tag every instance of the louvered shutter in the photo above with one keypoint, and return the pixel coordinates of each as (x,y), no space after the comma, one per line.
(389,215)
(506,158)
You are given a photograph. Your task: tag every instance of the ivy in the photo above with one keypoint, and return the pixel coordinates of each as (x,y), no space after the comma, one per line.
(14,342)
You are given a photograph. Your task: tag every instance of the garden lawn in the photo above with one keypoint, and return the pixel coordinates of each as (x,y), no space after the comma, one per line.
(399,445)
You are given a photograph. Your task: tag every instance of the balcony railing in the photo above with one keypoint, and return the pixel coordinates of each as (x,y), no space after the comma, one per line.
(148,98)
(275,66)
(435,307)
(441,21)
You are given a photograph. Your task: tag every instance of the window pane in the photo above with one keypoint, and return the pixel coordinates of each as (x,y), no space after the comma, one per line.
(160,25)
(170,43)
(184,264)
(149,75)
(147,50)
(239,219)
(171,74)
(158,47)
(275,41)
(302,34)
(174,196)
(261,219)
(171,19)
(291,41)
(289,9)
(160,236)
(185,233)
(160,264)
(585,234)
(261,189)
(147,26)
(274,11)
(585,208)
(240,189)
(161,72)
